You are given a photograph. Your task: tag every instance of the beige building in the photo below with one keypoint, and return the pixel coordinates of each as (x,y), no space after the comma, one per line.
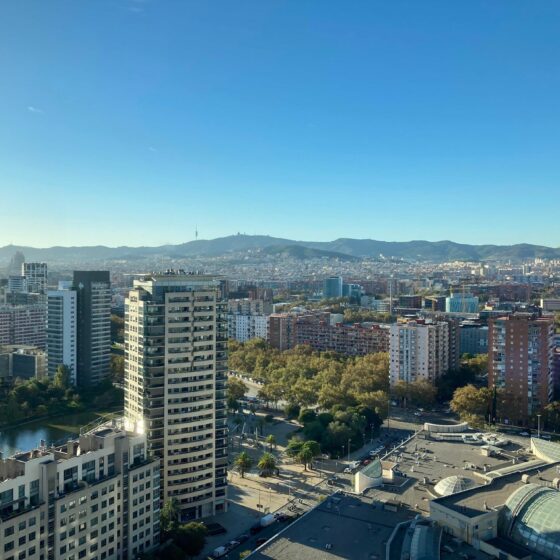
(95,498)
(175,375)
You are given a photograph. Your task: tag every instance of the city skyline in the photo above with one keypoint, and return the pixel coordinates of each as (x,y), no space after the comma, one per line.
(386,121)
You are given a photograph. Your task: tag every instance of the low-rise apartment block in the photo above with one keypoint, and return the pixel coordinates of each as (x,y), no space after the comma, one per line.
(94,498)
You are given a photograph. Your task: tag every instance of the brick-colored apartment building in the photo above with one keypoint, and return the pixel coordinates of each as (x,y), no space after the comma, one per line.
(520,363)
(287,330)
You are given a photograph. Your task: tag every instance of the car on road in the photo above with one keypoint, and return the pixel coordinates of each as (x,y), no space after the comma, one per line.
(524,434)
(347,470)
(213,529)
(242,538)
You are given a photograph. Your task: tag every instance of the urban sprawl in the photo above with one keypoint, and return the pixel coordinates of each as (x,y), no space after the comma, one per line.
(258,405)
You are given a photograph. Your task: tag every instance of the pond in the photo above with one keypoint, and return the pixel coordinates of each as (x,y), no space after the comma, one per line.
(52,430)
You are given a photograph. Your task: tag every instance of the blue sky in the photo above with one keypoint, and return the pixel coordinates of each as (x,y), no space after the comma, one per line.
(133,121)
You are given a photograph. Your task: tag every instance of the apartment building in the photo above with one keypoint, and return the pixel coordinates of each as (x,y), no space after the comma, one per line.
(520,363)
(97,497)
(418,350)
(61,331)
(93,327)
(175,375)
(246,306)
(281,330)
(316,329)
(35,274)
(474,338)
(248,318)
(23,324)
(245,327)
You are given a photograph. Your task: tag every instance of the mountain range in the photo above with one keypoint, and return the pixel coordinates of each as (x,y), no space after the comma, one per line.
(343,248)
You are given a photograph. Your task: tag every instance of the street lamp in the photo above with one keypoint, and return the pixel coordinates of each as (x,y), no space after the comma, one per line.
(538,425)
(349,440)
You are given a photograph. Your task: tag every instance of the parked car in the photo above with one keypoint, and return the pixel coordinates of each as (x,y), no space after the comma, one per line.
(232,544)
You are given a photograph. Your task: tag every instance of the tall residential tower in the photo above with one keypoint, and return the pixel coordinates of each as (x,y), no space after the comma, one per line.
(93,290)
(520,363)
(175,376)
(61,330)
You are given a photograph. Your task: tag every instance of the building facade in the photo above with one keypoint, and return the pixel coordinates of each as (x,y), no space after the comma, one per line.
(418,351)
(175,376)
(474,338)
(23,324)
(94,498)
(520,363)
(459,303)
(61,331)
(93,327)
(316,329)
(244,327)
(247,306)
(332,287)
(35,274)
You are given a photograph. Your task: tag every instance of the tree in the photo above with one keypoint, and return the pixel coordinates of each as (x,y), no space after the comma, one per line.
(245,554)
(61,378)
(305,456)
(117,367)
(294,447)
(314,447)
(271,440)
(422,393)
(169,516)
(117,328)
(471,402)
(307,415)
(191,538)
(236,390)
(243,463)
(292,411)
(266,464)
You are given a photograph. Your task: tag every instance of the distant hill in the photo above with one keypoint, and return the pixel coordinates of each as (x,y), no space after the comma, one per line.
(437,251)
(302,253)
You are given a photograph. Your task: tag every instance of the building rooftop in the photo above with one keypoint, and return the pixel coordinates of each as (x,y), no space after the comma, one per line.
(476,501)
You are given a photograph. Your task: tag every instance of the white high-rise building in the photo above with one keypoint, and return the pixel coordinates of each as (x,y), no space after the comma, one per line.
(418,351)
(61,330)
(94,498)
(244,327)
(175,375)
(35,274)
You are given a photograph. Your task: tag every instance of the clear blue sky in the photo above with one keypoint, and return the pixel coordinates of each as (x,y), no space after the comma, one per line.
(132,121)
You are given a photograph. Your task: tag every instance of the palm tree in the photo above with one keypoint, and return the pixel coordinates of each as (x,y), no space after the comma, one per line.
(305,456)
(271,440)
(266,464)
(243,463)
